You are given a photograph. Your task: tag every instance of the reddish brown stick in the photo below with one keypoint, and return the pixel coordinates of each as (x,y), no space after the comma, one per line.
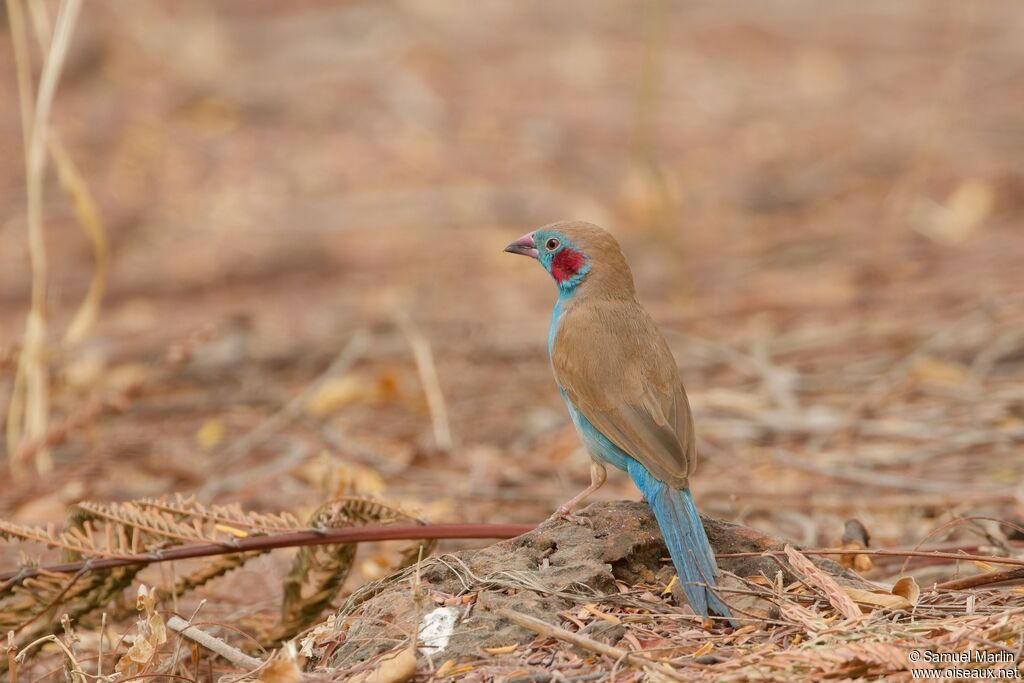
(291,539)
(982,579)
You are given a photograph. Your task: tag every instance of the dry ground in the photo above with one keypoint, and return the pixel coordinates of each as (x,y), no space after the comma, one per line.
(822,203)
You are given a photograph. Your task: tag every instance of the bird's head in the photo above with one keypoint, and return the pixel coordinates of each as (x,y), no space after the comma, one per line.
(574,253)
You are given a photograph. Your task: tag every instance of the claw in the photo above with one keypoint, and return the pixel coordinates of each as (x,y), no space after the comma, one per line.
(597,479)
(563,513)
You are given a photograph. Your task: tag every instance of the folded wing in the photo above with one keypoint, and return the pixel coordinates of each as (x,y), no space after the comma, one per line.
(617,369)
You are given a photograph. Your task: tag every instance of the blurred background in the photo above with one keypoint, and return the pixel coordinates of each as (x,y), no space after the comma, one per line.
(306,203)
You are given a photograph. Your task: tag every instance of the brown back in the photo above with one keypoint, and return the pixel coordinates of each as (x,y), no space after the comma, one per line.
(617,368)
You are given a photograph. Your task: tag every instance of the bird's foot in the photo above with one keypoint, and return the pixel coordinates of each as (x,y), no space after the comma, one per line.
(565,513)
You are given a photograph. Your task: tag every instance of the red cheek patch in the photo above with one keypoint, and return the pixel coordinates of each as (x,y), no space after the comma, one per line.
(566,264)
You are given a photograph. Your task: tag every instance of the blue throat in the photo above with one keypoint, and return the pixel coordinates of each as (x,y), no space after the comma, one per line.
(564,295)
(566,291)
(570,284)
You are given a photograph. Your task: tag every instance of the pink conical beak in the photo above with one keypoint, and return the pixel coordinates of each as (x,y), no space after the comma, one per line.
(524,245)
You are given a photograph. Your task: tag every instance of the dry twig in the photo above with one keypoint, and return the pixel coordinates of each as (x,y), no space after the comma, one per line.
(233,655)
(618,654)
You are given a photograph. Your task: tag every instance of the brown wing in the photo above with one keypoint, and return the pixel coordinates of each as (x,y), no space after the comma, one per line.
(617,369)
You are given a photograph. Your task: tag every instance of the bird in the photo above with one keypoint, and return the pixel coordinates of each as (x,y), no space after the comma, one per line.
(621,386)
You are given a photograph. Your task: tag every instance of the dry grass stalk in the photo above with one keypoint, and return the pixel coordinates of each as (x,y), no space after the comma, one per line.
(30,406)
(84,205)
(74,668)
(88,216)
(424,356)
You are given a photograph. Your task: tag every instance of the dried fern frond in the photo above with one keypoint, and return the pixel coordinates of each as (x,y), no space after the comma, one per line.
(111,530)
(183,520)
(81,541)
(229,515)
(123,531)
(33,607)
(319,572)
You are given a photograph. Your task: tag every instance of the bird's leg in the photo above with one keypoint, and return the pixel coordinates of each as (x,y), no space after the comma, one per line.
(598,475)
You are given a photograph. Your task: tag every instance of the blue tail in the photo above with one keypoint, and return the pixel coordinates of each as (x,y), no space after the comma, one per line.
(684,535)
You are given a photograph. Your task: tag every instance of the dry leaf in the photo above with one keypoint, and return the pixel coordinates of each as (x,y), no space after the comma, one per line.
(743,600)
(326,629)
(906,587)
(337,393)
(140,652)
(855,537)
(610,618)
(151,634)
(984,566)
(877,599)
(280,672)
(210,434)
(939,371)
(85,371)
(145,600)
(375,567)
(503,650)
(858,562)
(707,647)
(395,668)
(965,210)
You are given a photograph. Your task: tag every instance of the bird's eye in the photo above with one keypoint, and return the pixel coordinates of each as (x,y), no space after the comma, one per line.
(552,244)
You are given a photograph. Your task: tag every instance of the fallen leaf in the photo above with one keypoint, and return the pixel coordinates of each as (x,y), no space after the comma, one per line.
(465,668)
(906,587)
(939,371)
(375,567)
(210,434)
(965,210)
(337,393)
(150,636)
(503,650)
(877,599)
(280,672)
(140,652)
(703,649)
(742,600)
(855,537)
(326,629)
(610,618)
(395,668)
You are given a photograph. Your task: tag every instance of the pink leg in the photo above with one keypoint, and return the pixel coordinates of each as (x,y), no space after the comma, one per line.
(598,475)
